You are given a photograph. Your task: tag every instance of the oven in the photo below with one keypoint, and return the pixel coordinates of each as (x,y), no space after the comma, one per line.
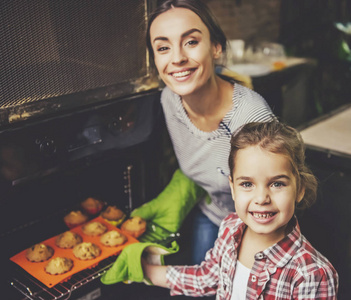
(50,166)
(79,117)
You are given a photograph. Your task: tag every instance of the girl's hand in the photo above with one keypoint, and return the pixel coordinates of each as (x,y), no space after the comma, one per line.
(156,274)
(128,266)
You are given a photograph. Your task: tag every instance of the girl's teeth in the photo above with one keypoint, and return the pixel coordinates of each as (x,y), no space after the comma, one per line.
(181,74)
(262,216)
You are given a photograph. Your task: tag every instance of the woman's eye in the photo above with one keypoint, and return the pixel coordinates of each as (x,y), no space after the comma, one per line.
(192,43)
(161,49)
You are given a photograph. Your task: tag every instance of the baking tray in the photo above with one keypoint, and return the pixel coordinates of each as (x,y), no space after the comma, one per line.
(36,269)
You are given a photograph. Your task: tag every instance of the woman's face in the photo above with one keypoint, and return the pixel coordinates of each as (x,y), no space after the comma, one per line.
(183,52)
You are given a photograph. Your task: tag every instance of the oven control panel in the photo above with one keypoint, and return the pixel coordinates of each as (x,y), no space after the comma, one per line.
(45,146)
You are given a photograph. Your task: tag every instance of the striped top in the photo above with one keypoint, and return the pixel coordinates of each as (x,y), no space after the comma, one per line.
(203,156)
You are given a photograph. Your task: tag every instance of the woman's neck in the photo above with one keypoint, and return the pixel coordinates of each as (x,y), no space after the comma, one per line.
(207,107)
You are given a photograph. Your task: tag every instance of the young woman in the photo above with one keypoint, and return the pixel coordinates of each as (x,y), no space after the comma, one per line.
(260,252)
(202,110)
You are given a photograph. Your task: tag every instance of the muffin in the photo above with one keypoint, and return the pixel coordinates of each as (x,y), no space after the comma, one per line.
(135,226)
(94,228)
(59,265)
(92,206)
(113,215)
(39,253)
(75,218)
(113,238)
(68,240)
(85,251)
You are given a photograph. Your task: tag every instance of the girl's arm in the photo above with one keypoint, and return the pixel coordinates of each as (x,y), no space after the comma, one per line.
(155,273)
(322,284)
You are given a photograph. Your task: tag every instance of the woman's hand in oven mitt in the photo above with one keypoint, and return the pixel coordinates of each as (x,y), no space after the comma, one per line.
(127,268)
(173,204)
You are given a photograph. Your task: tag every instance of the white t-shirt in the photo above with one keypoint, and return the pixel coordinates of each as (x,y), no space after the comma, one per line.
(240,282)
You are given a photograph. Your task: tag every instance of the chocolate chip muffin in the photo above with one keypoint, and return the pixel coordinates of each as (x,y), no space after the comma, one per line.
(86,250)
(94,228)
(113,238)
(68,240)
(135,226)
(59,265)
(39,252)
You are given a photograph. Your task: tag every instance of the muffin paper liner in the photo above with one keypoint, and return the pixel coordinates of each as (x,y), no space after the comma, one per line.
(37,269)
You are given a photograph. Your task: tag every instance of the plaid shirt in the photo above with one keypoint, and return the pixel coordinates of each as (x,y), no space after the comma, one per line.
(290,269)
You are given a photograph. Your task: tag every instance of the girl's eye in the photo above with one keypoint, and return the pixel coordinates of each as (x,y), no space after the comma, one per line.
(278,184)
(246,184)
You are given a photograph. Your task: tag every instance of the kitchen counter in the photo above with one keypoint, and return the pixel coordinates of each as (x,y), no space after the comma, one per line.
(331,132)
(286,87)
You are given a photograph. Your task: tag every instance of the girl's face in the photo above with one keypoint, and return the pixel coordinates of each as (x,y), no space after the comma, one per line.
(183,52)
(264,190)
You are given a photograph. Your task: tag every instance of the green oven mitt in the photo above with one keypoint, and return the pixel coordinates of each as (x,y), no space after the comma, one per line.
(127,268)
(173,204)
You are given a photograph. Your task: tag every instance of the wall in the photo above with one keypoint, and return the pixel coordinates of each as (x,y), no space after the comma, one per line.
(249,20)
(306,29)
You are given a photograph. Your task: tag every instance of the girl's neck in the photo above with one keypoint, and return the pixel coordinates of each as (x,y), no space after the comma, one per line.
(207,107)
(264,241)
(252,243)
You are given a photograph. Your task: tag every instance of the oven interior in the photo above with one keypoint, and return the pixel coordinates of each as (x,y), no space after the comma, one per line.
(109,151)
(79,117)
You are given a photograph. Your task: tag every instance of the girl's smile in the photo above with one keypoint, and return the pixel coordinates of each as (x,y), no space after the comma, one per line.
(263,217)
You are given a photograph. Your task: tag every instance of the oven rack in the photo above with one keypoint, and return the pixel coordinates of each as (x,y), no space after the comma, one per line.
(35,290)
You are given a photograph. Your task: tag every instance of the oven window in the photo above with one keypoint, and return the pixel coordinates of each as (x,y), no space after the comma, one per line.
(54,48)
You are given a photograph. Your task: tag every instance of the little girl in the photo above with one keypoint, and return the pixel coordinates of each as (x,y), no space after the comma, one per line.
(260,252)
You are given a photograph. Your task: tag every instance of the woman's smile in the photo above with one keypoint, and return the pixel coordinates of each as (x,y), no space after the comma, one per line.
(182,75)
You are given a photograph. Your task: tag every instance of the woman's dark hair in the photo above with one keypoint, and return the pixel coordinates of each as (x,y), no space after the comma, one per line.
(278,138)
(198,7)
